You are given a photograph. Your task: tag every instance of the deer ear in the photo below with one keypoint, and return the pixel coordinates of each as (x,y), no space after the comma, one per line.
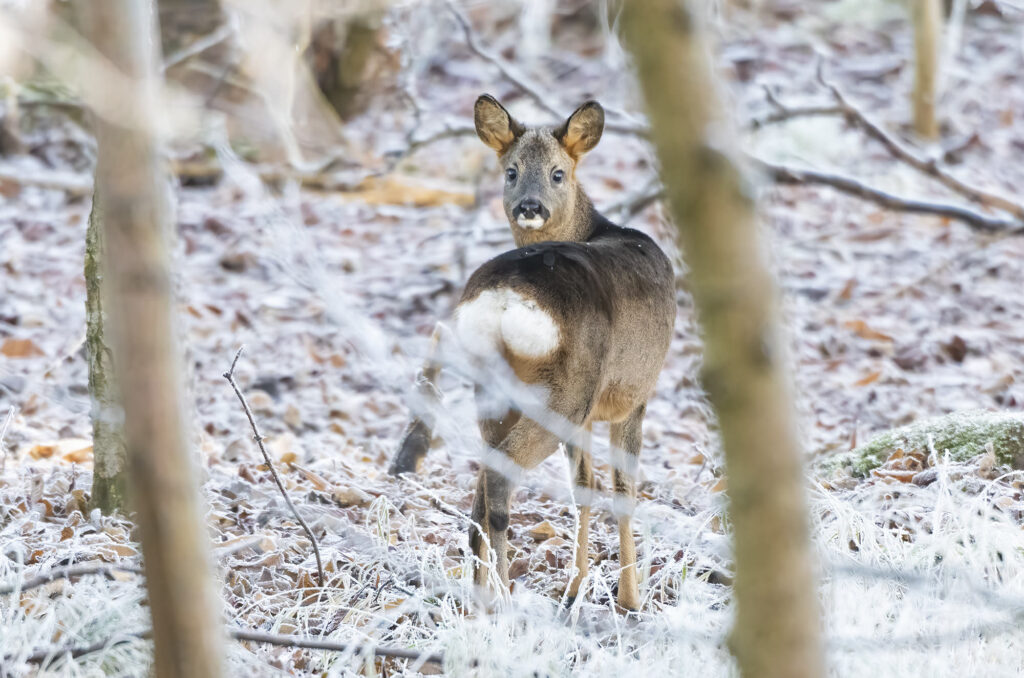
(582,130)
(494,125)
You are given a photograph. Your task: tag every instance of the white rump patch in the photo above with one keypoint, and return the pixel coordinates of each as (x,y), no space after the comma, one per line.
(528,331)
(478,323)
(533,223)
(503,316)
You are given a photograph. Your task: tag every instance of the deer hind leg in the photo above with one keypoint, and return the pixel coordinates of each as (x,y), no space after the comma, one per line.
(626,441)
(583,491)
(525,445)
(419,432)
(491,507)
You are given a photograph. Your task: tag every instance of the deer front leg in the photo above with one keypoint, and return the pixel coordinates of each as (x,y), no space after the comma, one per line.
(626,440)
(583,489)
(419,432)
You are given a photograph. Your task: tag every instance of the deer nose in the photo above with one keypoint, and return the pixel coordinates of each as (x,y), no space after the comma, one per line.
(530,208)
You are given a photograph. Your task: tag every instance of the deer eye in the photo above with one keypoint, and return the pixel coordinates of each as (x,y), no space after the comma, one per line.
(511,174)
(557,176)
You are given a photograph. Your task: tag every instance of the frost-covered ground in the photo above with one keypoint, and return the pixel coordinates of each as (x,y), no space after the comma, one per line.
(334,295)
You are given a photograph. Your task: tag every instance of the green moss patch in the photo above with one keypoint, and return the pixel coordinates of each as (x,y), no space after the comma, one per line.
(961,435)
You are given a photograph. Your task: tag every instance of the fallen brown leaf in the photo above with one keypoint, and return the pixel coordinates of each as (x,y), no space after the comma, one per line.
(20,348)
(864,331)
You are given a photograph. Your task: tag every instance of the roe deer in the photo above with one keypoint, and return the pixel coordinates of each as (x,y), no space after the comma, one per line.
(584,309)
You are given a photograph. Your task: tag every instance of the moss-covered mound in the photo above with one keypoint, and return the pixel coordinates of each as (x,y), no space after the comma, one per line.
(961,435)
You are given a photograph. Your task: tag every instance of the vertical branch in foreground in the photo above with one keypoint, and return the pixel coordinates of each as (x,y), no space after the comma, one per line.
(110,472)
(927,19)
(776,632)
(130,180)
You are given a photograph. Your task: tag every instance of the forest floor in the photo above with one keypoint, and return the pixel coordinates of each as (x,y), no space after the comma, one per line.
(892,318)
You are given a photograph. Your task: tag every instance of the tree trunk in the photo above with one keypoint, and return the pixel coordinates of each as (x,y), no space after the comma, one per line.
(133,187)
(776,633)
(339,55)
(109,476)
(927,15)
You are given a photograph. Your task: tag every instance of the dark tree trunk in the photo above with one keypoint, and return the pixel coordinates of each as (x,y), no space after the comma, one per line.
(110,467)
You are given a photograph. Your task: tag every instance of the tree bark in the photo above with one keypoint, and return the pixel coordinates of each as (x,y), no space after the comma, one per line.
(776,632)
(109,475)
(927,16)
(339,55)
(133,187)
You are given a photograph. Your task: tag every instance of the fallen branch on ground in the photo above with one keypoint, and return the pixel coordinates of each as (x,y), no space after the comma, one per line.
(782,112)
(230,376)
(278,639)
(789,175)
(67,572)
(285,640)
(927,166)
(781,174)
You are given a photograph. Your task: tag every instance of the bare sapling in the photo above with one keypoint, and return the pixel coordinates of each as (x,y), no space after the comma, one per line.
(927,18)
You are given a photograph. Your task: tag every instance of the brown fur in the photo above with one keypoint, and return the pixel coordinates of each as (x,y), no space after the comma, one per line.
(611,294)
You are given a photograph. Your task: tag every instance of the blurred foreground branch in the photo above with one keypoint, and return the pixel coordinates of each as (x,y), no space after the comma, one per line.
(3,432)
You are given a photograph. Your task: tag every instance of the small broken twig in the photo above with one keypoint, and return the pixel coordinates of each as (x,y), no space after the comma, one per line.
(230,376)
(782,112)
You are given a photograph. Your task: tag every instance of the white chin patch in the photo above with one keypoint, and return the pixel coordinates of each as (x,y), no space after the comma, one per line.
(532,223)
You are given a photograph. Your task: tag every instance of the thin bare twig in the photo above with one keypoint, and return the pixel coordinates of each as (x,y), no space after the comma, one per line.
(414,145)
(230,376)
(790,113)
(635,203)
(499,63)
(79,570)
(927,166)
(526,88)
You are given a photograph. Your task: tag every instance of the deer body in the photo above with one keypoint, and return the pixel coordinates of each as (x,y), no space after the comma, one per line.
(582,312)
